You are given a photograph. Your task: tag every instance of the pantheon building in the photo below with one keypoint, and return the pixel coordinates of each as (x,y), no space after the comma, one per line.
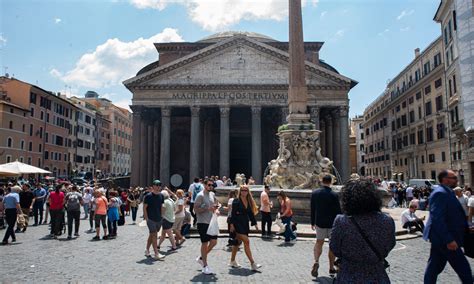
(213,107)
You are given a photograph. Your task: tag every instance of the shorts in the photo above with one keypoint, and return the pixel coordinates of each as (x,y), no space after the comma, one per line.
(323,233)
(100,218)
(202,230)
(153,226)
(167,224)
(178,223)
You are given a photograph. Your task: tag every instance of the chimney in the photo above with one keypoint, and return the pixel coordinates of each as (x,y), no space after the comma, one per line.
(417,52)
(315,58)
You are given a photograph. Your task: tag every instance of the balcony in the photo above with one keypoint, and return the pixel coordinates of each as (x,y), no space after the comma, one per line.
(453,100)
(458,127)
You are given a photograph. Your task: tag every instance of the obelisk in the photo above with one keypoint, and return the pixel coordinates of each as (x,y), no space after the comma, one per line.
(297,91)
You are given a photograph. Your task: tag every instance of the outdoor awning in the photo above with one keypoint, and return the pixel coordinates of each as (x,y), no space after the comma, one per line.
(18,168)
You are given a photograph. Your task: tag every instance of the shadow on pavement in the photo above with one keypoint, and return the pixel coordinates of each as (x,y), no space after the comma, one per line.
(147,261)
(242,272)
(204,278)
(285,244)
(324,280)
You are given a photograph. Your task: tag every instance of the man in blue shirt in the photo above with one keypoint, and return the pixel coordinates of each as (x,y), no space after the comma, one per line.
(38,203)
(445,229)
(193,191)
(11,202)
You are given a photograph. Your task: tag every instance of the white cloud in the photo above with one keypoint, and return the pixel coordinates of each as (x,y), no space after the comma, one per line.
(386,31)
(219,15)
(405,13)
(405,29)
(114,61)
(3,40)
(124,104)
(57,20)
(340,33)
(323,13)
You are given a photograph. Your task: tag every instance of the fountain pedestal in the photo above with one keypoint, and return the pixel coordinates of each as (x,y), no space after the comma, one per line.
(299,164)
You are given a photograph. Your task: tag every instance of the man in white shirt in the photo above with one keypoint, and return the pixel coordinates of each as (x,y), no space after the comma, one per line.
(219,182)
(470,205)
(409,193)
(462,199)
(409,219)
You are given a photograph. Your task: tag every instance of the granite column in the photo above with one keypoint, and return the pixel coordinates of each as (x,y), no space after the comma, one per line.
(165,145)
(224,161)
(194,143)
(135,178)
(143,153)
(257,144)
(344,129)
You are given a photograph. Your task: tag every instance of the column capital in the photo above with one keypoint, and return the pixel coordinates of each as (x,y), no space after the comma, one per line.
(225,111)
(344,111)
(195,110)
(165,111)
(256,110)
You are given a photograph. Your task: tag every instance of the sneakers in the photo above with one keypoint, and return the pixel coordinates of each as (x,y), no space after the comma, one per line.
(314,271)
(76,234)
(147,253)
(69,237)
(255,266)
(158,256)
(207,270)
(332,272)
(96,238)
(105,237)
(199,260)
(234,264)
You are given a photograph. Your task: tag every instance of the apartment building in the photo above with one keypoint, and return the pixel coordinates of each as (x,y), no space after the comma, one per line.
(357,130)
(406,128)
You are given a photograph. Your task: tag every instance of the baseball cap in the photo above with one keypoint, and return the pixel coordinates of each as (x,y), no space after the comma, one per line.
(156,182)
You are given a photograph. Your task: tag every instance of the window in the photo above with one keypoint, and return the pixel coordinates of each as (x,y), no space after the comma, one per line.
(438,83)
(429,134)
(404,104)
(431,158)
(412,139)
(32,112)
(23,128)
(30,146)
(445,35)
(439,103)
(417,75)
(437,60)
(410,100)
(9,158)
(427,89)
(10,125)
(454,84)
(420,137)
(32,98)
(426,68)
(422,159)
(420,113)
(443,156)
(412,116)
(418,95)
(455,24)
(450,30)
(22,144)
(428,109)
(31,129)
(441,130)
(40,147)
(9,142)
(450,83)
(46,155)
(404,120)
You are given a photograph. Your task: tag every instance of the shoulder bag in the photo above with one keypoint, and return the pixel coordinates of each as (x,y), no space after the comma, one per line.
(364,236)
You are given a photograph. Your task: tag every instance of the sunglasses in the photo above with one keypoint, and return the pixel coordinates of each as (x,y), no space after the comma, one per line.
(210,184)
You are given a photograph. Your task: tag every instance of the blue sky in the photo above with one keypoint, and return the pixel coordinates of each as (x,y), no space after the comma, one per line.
(73,46)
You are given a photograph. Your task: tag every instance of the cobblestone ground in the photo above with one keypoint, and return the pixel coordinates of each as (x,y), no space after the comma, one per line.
(36,258)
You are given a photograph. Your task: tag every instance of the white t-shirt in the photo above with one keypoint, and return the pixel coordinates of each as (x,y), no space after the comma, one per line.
(407,216)
(219,183)
(470,202)
(182,213)
(463,200)
(410,191)
(229,206)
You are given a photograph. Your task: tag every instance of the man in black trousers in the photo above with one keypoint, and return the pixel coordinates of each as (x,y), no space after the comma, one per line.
(324,209)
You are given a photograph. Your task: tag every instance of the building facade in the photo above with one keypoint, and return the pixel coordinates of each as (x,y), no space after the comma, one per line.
(357,128)
(117,131)
(457,26)
(407,134)
(44,131)
(213,107)
(85,131)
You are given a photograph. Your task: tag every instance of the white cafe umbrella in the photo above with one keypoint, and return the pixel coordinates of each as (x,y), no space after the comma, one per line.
(19,168)
(7,174)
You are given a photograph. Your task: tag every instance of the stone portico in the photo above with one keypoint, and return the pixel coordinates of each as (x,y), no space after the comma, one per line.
(213,108)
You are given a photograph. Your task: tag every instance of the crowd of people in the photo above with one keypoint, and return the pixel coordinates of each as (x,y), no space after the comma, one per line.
(360,235)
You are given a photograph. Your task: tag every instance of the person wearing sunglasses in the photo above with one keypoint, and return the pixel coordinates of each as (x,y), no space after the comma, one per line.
(445,229)
(205,205)
(244,210)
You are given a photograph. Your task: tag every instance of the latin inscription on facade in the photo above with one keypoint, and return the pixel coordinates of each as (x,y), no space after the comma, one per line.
(230,96)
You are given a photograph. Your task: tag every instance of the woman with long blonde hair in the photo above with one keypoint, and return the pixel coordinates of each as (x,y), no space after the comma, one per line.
(244,210)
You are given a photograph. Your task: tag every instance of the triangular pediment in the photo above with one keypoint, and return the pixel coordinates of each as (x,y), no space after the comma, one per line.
(235,61)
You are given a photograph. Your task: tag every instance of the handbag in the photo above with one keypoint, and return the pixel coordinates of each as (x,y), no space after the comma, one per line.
(469,244)
(364,236)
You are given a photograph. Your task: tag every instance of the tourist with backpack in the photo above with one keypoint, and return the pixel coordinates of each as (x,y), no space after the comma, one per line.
(193,191)
(74,202)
